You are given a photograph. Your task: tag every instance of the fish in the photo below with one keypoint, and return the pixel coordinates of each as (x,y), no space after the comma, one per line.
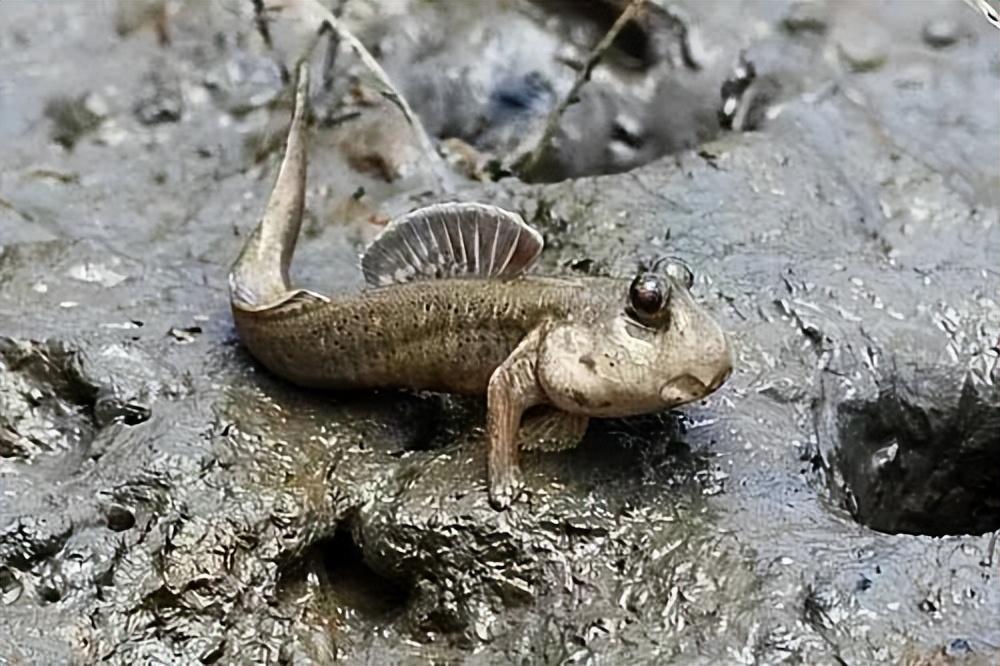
(450,304)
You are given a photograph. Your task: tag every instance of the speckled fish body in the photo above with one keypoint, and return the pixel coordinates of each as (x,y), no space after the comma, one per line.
(445,335)
(450,306)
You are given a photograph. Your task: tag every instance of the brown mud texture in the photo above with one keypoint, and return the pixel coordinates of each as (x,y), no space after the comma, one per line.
(831,170)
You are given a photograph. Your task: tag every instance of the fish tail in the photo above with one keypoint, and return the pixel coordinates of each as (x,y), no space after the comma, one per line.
(260,274)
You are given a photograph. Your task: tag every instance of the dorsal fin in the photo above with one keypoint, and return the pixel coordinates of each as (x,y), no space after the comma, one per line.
(451,240)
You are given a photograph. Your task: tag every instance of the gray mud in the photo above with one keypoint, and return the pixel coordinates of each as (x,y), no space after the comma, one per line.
(164,500)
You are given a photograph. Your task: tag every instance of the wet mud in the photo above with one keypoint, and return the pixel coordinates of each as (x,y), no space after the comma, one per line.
(830,170)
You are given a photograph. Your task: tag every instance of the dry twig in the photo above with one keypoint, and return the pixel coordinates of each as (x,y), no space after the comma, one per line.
(528,162)
(314,12)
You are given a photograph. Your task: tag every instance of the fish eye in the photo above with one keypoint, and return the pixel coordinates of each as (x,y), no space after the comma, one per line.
(648,297)
(681,272)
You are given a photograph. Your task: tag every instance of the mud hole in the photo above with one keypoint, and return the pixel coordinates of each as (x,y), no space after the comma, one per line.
(335,566)
(342,594)
(49,406)
(920,460)
(46,405)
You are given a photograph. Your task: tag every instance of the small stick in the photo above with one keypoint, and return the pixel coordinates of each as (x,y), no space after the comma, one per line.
(992,15)
(389,91)
(262,27)
(525,165)
(995,372)
(332,46)
(991,549)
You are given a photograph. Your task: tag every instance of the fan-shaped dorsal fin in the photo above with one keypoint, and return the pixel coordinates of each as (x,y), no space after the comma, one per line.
(452,240)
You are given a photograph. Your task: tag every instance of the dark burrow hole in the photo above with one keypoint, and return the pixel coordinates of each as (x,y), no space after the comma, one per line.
(10,586)
(487,102)
(921,460)
(636,40)
(346,580)
(119,518)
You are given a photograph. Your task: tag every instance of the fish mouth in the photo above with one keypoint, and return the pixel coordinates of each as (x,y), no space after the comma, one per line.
(720,378)
(688,387)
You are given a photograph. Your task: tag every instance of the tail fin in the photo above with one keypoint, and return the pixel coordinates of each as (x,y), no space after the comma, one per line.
(260,275)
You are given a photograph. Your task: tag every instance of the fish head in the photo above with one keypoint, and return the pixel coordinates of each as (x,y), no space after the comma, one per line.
(657,350)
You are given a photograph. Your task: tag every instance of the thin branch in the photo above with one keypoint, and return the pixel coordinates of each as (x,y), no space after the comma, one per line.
(314,10)
(528,162)
(991,549)
(332,46)
(995,373)
(262,27)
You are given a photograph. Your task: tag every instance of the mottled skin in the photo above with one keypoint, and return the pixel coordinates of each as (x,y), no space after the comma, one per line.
(582,347)
(442,335)
(451,335)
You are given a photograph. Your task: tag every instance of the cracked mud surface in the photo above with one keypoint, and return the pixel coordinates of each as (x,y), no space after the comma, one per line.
(164,500)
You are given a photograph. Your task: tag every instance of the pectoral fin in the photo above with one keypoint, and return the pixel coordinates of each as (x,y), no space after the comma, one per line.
(551,429)
(513,388)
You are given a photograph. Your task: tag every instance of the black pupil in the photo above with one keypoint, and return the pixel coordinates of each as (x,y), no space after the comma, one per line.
(646,296)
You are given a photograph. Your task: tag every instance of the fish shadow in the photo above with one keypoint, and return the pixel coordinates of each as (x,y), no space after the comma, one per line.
(626,455)
(622,455)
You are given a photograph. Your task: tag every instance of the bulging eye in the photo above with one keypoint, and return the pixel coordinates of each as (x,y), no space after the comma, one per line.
(648,298)
(681,272)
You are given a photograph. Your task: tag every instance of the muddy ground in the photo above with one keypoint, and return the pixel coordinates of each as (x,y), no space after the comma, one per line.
(164,500)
